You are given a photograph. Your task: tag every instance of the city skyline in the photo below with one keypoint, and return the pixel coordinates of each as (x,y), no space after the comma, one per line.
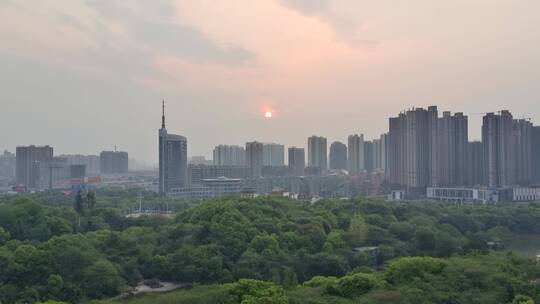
(423,153)
(212,153)
(346,63)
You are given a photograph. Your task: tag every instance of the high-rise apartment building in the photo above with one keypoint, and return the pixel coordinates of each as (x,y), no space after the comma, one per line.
(476,163)
(380,153)
(53,174)
(536,155)
(450,154)
(172,159)
(113,162)
(418,148)
(317,154)
(338,156)
(297,161)
(396,153)
(7,165)
(91,162)
(369,159)
(428,150)
(273,155)
(355,149)
(27,164)
(254,158)
(499,156)
(508,150)
(225,155)
(523,139)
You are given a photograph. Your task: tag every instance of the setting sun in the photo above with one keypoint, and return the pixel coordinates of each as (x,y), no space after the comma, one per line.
(268,114)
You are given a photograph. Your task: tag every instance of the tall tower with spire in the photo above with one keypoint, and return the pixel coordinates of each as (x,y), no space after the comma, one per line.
(163,114)
(172,158)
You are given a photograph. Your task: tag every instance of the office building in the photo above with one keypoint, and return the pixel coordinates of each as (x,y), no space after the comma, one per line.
(297,161)
(172,159)
(525,194)
(355,148)
(254,158)
(273,155)
(223,186)
(461,195)
(27,164)
(214,187)
(338,156)
(225,155)
(317,154)
(197,173)
(113,162)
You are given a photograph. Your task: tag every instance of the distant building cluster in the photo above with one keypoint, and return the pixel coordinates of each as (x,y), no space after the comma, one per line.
(423,154)
(36,168)
(432,155)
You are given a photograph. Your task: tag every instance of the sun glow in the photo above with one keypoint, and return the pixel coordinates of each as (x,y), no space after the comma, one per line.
(268,114)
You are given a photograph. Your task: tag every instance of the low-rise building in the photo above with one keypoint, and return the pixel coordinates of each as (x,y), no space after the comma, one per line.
(215,187)
(522,194)
(197,192)
(223,186)
(484,195)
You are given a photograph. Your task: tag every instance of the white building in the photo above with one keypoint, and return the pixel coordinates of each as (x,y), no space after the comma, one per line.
(521,194)
(215,187)
(223,186)
(468,194)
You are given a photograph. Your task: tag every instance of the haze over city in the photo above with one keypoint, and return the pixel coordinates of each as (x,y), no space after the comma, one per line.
(85,76)
(269,151)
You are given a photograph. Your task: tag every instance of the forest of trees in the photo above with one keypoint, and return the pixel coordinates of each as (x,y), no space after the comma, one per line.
(281,250)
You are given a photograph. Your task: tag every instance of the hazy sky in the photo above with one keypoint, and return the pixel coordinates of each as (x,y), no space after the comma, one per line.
(85,76)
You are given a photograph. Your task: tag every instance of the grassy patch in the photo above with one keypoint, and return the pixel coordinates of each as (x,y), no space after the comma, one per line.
(207,294)
(525,244)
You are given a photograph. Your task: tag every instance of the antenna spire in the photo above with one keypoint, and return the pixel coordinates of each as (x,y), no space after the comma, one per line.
(163,114)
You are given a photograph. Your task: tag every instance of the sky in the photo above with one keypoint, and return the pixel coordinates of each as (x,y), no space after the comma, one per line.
(86,76)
